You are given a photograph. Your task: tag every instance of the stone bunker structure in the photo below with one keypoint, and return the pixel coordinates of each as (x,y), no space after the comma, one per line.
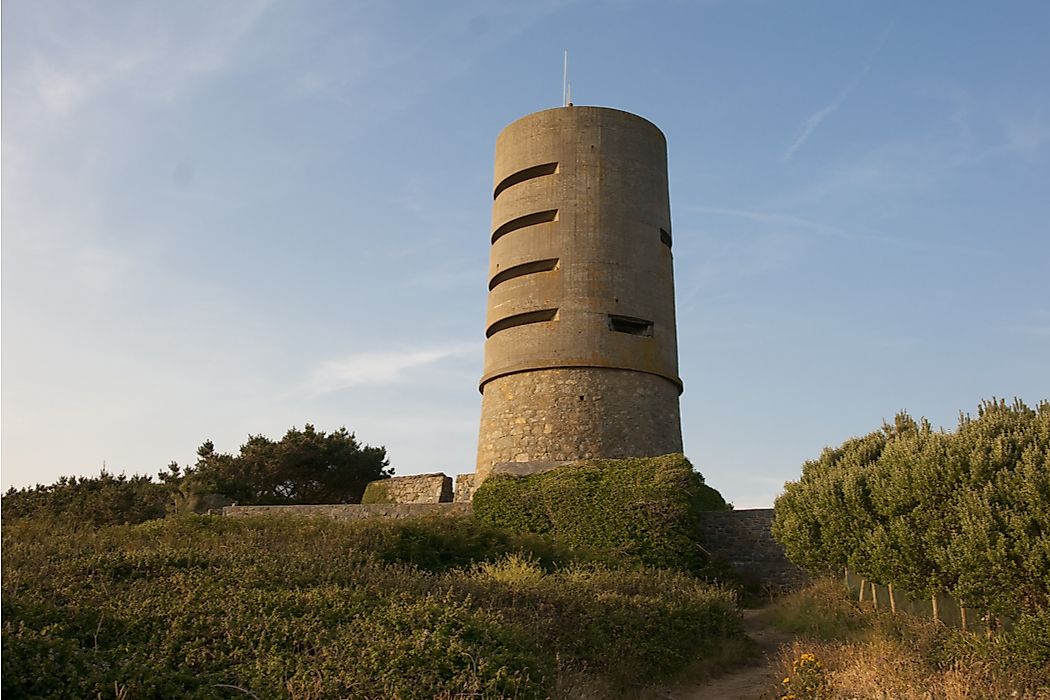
(581,357)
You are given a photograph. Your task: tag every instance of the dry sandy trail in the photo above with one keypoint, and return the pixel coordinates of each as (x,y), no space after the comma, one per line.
(758,681)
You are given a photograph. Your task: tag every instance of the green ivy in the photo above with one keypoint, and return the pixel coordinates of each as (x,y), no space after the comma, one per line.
(642,510)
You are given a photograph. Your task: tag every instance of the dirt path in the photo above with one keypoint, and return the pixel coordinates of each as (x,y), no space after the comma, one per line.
(755,682)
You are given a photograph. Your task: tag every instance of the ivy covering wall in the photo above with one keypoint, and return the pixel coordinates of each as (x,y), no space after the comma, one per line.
(641,509)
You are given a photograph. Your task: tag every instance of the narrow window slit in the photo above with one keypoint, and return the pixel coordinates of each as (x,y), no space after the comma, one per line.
(540,217)
(523,175)
(521,320)
(521,270)
(665,238)
(633,326)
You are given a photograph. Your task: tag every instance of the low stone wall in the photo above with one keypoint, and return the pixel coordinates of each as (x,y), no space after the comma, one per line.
(417,488)
(466,485)
(744,540)
(355,511)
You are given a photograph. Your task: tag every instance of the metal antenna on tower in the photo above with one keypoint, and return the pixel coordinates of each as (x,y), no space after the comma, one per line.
(565,81)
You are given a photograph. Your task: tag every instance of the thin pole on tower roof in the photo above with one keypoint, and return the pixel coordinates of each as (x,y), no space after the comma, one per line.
(565,81)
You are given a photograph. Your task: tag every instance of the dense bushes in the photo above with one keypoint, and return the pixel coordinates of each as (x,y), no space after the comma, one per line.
(966,513)
(304,466)
(641,509)
(101,500)
(212,607)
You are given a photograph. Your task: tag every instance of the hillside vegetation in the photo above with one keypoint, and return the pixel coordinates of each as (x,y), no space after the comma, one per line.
(279,607)
(845,651)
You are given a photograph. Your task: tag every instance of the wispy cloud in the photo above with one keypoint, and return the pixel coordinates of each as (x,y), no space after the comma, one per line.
(1034,324)
(817,118)
(383,367)
(789,223)
(149,52)
(1023,135)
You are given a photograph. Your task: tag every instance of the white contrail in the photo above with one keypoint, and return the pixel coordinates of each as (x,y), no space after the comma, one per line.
(814,120)
(382,367)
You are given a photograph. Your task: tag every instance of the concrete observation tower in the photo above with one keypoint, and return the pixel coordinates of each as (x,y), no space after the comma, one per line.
(581,354)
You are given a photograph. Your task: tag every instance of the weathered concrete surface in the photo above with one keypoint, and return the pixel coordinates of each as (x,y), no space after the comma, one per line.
(417,488)
(581,283)
(355,511)
(744,539)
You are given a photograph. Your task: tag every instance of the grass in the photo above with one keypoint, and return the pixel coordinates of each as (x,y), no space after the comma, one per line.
(864,654)
(207,607)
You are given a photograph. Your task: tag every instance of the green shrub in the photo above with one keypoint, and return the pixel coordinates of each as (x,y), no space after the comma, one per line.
(101,500)
(963,513)
(200,606)
(642,510)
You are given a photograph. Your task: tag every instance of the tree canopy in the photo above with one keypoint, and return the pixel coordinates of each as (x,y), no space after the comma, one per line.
(305,466)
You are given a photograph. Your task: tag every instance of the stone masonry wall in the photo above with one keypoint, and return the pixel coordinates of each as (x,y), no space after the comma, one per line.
(466,485)
(744,539)
(418,488)
(562,415)
(355,511)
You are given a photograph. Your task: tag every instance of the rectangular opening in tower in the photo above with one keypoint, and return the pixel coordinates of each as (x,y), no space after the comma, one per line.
(631,325)
(665,238)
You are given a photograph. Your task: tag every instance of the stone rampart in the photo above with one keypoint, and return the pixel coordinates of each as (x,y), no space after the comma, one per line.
(356,511)
(744,540)
(417,488)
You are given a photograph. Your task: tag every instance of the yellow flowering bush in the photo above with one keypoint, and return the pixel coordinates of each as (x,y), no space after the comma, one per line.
(806,681)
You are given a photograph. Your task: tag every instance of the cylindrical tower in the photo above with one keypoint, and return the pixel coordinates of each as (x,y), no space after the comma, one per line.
(581,355)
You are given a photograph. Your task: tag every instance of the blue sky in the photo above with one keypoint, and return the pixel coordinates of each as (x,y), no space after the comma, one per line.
(229,218)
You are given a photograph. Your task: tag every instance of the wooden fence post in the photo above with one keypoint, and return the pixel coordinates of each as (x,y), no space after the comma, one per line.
(936,612)
(962,615)
(863,584)
(875,596)
(893,601)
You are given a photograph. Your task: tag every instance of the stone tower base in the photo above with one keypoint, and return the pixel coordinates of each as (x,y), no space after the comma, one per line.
(562,415)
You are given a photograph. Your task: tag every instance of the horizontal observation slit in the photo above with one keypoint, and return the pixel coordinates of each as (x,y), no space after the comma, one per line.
(521,320)
(523,175)
(540,217)
(631,325)
(523,269)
